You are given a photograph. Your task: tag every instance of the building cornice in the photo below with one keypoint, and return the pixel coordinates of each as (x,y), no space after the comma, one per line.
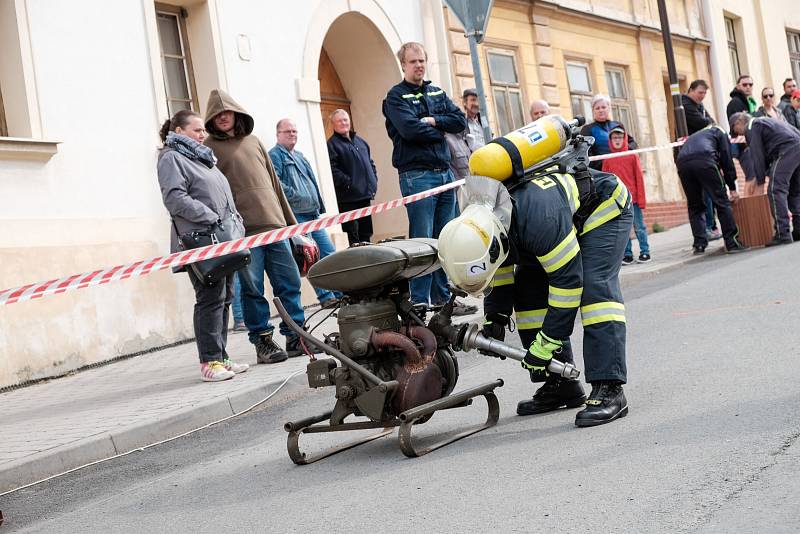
(634,27)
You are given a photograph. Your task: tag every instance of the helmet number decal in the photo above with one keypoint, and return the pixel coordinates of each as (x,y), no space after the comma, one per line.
(476,269)
(545,182)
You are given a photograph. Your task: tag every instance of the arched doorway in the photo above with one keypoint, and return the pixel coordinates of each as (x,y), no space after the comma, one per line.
(356,69)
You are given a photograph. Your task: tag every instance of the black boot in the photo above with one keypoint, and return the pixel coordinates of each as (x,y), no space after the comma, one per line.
(267,351)
(777,240)
(606,403)
(554,394)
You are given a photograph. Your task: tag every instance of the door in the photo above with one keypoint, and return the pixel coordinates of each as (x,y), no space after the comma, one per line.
(332,93)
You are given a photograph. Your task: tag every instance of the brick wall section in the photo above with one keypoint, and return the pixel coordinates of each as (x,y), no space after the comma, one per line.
(667,214)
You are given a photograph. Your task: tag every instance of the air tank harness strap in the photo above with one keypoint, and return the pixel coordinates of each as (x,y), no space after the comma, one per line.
(516,158)
(589,198)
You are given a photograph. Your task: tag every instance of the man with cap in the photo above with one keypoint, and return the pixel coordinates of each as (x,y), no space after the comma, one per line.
(470,139)
(792,112)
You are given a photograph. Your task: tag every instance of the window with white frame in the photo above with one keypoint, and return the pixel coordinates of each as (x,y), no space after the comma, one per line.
(175,59)
(733,47)
(579,80)
(621,108)
(794,52)
(505,90)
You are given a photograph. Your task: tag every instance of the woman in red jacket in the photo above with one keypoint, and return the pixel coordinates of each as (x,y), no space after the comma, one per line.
(629,170)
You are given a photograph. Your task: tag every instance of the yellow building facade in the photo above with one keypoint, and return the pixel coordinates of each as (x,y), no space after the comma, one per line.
(565,52)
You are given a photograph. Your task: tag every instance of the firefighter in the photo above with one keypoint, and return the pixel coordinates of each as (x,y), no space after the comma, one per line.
(567,233)
(699,161)
(775,149)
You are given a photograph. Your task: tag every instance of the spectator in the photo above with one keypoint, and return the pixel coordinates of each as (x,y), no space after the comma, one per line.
(629,170)
(463,144)
(539,108)
(742,101)
(792,112)
(742,97)
(768,108)
(197,195)
(418,114)
(775,145)
(699,163)
(302,192)
(789,86)
(599,129)
(354,175)
(472,110)
(697,117)
(257,190)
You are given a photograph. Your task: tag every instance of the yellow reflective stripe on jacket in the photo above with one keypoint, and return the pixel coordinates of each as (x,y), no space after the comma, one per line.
(602,312)
(564,298)
(413,95)
(608,209)
(571,188)
(531,319)
(503,277)
(435,93)
(561,254)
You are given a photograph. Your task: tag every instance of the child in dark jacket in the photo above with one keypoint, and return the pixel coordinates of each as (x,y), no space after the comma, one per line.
(629,170)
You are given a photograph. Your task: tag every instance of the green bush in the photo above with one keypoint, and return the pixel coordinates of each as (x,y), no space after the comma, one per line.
(657,228)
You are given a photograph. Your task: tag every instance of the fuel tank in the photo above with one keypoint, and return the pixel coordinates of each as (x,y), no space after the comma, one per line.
(372,266)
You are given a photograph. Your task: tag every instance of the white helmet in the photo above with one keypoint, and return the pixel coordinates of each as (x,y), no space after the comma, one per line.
(472,247)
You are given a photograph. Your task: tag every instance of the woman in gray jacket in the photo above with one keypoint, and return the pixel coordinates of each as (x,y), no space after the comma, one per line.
(197,195)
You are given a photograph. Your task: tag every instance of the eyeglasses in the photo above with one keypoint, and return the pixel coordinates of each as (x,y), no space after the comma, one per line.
(288,131)
(769,96)
(747,84)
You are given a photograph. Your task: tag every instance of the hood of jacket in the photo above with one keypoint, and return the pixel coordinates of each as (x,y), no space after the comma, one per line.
(624,147)
(219,101)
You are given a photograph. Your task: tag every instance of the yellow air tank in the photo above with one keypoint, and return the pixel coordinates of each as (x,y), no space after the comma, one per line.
(535,142)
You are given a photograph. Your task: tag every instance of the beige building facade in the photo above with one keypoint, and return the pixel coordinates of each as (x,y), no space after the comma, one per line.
(85,86)
(565,52)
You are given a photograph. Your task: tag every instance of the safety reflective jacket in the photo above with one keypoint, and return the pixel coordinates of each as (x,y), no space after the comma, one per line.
(542,232)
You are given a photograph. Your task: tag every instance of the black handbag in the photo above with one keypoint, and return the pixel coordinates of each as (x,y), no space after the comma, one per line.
(213,270)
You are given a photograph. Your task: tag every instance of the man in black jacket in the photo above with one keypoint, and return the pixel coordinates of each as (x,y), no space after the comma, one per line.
(699,163)
(418,114)
(775,150)
(742,97)
(792,112)
(354,176)
(789,85)
(697,117)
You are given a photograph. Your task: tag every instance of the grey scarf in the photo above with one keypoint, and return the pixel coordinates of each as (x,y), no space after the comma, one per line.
(191,149)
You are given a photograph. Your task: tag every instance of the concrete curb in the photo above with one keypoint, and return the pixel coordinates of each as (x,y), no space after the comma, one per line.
(105,445)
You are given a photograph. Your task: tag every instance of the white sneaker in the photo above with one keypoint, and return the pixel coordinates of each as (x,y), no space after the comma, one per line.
(214,372)
(237,368)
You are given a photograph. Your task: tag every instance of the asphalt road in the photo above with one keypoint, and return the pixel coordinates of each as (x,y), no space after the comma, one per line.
(710,445)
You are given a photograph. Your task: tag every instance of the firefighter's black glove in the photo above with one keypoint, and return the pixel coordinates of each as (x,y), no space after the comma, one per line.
(494,327)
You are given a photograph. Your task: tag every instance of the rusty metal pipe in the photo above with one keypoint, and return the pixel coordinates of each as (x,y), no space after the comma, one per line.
(426,337)
(388,338)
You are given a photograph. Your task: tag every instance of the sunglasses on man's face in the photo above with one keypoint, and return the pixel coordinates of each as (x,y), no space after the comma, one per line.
(769,96)
(747,84)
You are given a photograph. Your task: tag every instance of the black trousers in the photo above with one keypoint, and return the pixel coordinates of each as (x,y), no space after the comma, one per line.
(358,230)
(699,176)
(784,191)
(211,317)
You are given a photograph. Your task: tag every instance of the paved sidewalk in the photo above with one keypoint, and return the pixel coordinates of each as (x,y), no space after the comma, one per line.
(57,425)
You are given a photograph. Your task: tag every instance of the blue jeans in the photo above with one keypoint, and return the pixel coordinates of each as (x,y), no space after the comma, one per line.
(641,233)
(326,248)
(236,305)
(277,260)
(426,218)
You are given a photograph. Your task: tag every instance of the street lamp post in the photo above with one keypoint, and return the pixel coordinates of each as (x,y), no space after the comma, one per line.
(674,88)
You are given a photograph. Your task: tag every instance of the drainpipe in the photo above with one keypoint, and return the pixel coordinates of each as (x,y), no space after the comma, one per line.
(716,74)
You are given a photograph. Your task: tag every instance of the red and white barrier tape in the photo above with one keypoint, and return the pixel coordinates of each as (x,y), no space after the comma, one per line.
(177,259)
(679,142)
